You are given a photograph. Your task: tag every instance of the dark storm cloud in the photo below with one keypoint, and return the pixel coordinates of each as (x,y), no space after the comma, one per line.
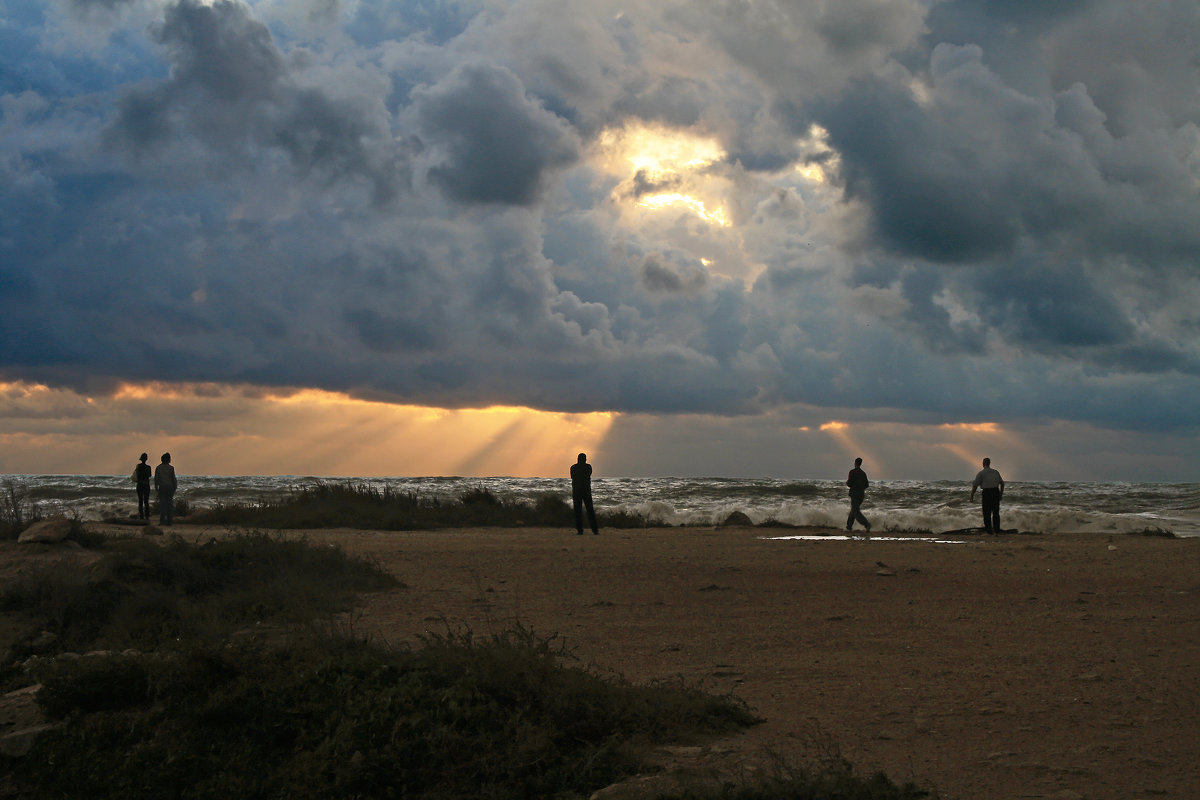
(230,88)
(1047,306)
(390,334)
(928,190)
(960,210)
(498,143)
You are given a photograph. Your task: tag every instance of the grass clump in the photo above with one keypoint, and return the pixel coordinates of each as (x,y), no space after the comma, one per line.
(18,509)
(365,507)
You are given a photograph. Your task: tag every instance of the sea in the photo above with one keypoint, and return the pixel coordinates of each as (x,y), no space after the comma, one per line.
(907,506)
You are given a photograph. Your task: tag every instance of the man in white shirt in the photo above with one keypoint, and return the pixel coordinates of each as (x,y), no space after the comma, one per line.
(992,484)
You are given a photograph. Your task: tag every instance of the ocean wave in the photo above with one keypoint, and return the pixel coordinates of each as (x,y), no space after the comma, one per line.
(909,506)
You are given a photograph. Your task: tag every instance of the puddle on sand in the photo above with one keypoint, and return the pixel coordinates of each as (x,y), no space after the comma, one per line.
(845,538)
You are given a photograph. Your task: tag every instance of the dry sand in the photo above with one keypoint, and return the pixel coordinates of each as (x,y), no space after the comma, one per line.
(1058,666)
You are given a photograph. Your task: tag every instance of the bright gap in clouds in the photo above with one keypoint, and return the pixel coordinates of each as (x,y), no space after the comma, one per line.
(664,168)
(697,207)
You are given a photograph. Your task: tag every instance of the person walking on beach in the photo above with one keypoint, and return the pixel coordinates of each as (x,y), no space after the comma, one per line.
(165,484)
(141,477)
(992,484)
(858,483)
(581,494)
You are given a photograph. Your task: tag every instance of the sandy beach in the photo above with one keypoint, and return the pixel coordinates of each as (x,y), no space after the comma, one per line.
(1025,666)
(1058,666)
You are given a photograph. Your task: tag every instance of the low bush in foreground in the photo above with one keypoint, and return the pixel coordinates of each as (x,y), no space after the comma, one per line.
(321,716)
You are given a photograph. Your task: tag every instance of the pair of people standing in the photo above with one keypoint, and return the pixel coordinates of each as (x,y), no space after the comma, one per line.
(165,485)
(988,479)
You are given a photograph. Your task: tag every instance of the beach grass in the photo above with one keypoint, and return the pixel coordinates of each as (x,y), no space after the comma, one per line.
(361,506)
(18,509)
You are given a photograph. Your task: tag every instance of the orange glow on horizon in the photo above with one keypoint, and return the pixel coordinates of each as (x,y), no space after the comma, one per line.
(229,430)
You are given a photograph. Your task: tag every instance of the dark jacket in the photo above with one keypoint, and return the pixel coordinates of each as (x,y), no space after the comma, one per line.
(581,479)
(857,481)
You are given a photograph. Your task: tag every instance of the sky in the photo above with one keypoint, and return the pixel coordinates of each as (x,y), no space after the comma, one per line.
(689,237)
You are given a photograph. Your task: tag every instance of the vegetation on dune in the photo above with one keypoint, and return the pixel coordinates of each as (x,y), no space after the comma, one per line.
(327,716)
(330,505)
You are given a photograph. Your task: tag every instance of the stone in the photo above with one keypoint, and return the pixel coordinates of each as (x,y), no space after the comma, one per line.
(47,531)
(737,519)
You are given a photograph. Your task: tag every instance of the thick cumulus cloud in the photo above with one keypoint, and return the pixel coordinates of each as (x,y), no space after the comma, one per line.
(931,210)
(498,142)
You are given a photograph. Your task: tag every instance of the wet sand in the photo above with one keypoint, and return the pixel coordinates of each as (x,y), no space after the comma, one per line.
(1058,666)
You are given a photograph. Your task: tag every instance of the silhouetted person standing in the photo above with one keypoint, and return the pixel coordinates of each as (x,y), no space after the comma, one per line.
(165,484)
(858,483)
(141,476)
(992,484)
(581,494)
